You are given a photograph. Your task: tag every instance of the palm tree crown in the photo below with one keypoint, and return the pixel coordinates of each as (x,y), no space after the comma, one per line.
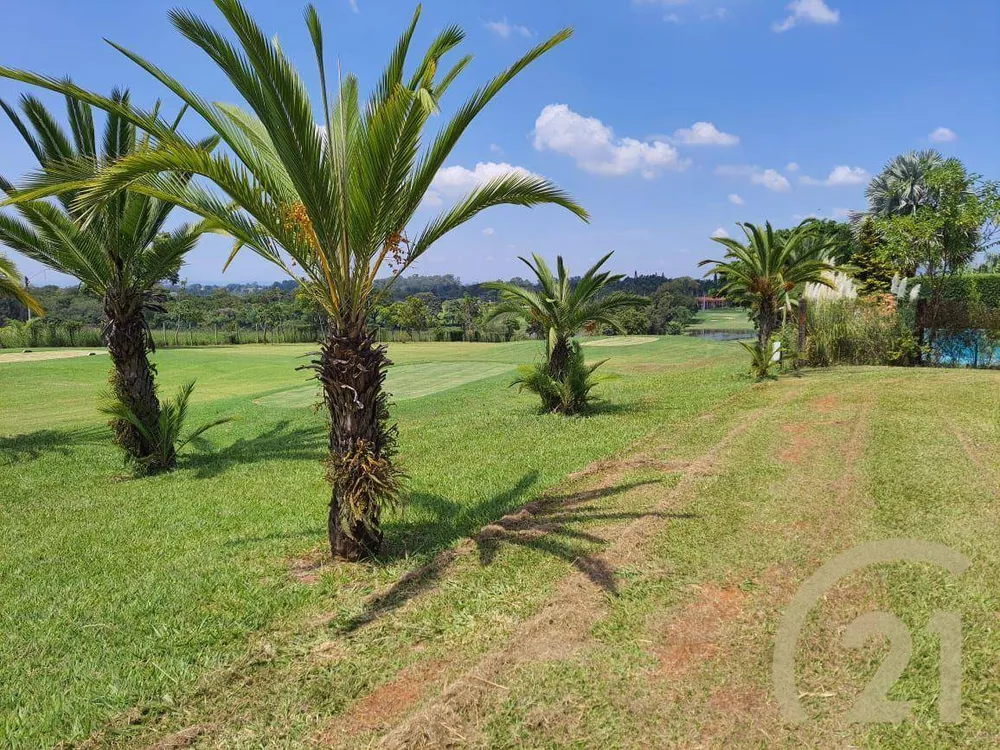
(901,188)
(123,247)
(562,308)
(763,272)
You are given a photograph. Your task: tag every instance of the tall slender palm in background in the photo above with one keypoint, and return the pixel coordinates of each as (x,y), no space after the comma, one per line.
(10,286)
(330,204)
(120,252)
(762,273)
(562,308)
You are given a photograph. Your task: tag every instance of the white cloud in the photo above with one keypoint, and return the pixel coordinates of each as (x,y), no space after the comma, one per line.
(792,167)
(736,200)
(943,135)
(354,5)
(672,18)
(772,179)
(840,176)
(496,149)
(807,11)
(720,232)
(489,231)
(841,213)
(504,30)
(452,182)
(594,147)
(719,14)
(705,134)
(844,175)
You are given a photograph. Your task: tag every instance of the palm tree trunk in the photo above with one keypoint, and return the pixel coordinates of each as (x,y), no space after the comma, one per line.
(766,323)
(558,358)
(132,381)
(352,369)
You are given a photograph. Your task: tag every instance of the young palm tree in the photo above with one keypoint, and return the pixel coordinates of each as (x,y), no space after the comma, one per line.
(120,252)
(561,308)
(763,273)
(10,286)
(329,203)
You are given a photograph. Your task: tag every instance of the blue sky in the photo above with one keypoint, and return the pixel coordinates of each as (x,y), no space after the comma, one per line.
(668,119)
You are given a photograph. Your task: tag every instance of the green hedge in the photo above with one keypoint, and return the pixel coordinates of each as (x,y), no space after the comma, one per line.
(981,288)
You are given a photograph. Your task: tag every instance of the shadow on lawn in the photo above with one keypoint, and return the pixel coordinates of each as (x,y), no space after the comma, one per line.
(448,521)
(552,527)
(278,442)
(600,407)
(30,446)
(545,526)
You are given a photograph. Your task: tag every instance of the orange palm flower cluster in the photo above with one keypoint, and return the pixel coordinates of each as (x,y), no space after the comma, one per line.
(296,220)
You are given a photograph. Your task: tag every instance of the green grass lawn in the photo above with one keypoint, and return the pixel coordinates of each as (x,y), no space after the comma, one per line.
(404,382)
(632,603)
(724,319)
(118,592)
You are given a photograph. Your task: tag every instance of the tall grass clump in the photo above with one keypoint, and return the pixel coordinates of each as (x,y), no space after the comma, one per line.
(859,331)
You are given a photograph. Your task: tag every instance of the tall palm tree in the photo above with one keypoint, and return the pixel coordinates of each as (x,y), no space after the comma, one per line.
(120,252)
(561,308)
(10,286)
(330,204)
(763,273)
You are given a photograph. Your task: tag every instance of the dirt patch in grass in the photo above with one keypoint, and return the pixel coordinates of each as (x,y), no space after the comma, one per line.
(308,568)
(798,445)
(562,629)
(392,699)
(183,738)
(382,706)
(693,635)
(825,404)
(614,468)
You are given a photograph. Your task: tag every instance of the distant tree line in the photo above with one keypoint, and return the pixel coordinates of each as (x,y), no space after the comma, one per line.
(438,307)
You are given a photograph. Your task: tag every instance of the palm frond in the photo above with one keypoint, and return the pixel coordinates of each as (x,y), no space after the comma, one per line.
(10,286)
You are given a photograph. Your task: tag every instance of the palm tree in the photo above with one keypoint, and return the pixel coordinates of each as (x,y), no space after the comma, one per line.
(120,252)
(330,204)
(901,187)
(763,273)
(561,308)
(10,286)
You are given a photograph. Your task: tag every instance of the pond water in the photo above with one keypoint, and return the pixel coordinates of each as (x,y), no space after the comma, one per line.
(707,333)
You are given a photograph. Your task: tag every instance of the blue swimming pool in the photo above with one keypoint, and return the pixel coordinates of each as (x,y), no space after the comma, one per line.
(971,348)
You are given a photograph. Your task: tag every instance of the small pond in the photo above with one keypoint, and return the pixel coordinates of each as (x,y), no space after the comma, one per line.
(721,335)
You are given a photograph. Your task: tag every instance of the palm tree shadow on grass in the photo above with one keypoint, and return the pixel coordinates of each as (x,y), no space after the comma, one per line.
(277,442)
(544,526)
(551,527)
(30,446)
(445,522)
